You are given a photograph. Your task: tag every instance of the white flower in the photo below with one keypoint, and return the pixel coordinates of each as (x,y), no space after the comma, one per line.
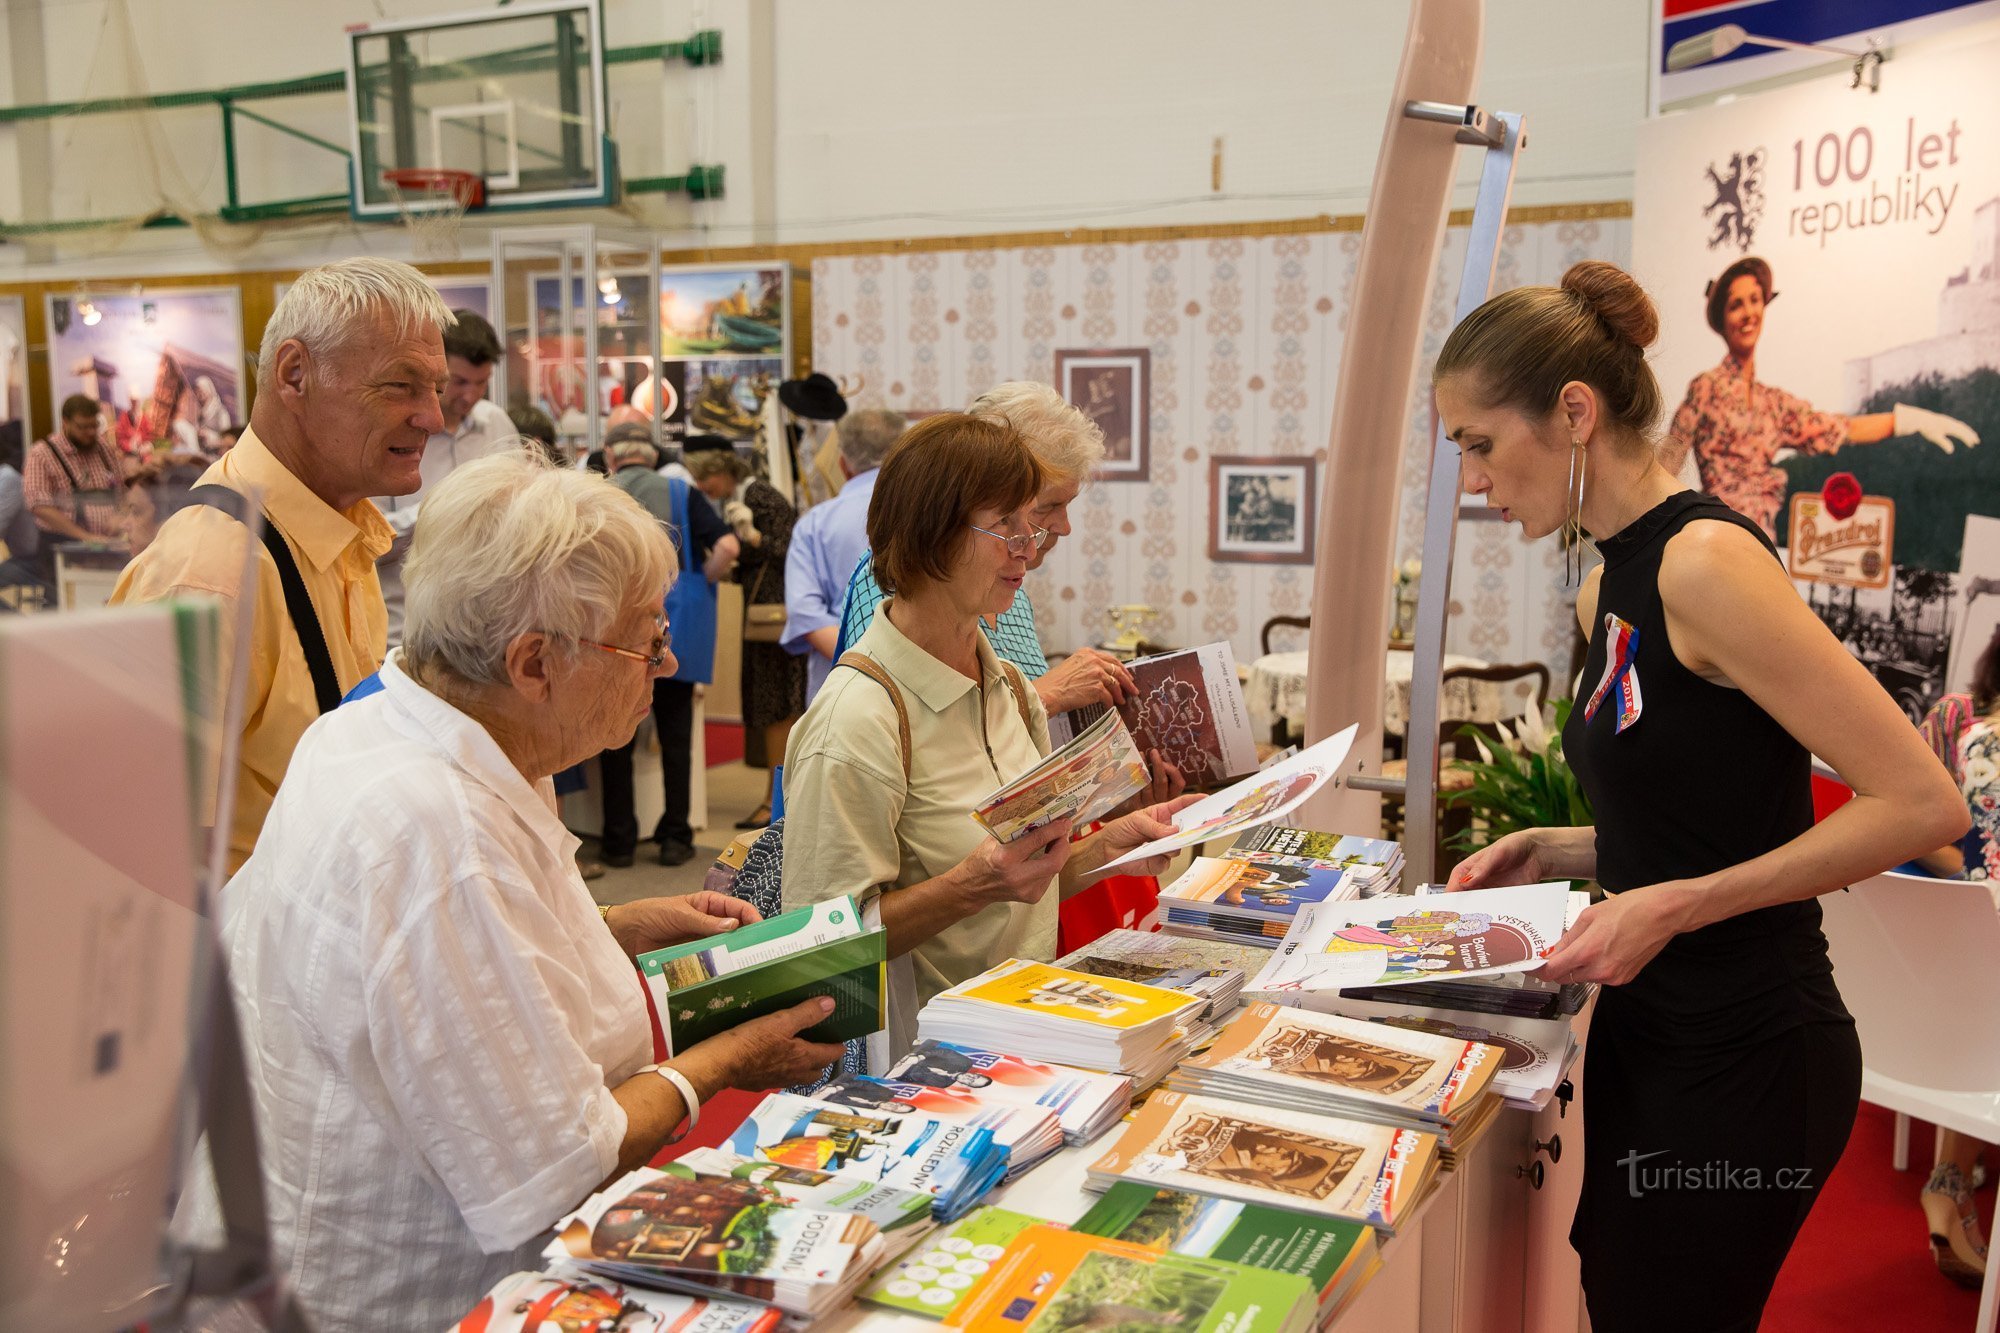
(1410,570)
(1534,732)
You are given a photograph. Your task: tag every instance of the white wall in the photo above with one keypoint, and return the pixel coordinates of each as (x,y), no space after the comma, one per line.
(878,118)
(906,117)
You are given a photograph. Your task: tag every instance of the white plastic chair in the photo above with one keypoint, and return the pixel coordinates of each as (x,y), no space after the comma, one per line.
(1915,959)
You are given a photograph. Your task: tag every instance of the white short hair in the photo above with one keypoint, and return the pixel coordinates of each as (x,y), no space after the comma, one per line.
(1068,444)
(329,306)
(633,451)
(511,543)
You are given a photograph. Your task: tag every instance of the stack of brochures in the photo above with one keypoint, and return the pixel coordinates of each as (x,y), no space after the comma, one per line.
(1086,1102)
(1089,777)
(1535,1053)
(1211,969)
(952,1160)
(1327,1165)
(1374,864)
(707,986)
(1189,708)
(1300,1060)
(1399,939)
(1050,1278)
(1220,898)
(1336,1256)
(680,1229)
(1028,1132)
(935,1280)
(567,1297)
(1120,1027)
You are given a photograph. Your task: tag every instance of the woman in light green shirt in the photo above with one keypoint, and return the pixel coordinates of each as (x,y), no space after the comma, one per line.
(950,531)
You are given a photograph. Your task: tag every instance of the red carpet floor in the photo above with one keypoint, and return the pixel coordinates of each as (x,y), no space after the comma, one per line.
(1863,1261)
(725,742)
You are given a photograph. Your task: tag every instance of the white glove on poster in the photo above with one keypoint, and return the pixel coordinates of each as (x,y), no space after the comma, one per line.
(1939,429)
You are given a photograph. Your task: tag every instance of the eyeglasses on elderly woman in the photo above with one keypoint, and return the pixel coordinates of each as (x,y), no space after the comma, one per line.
(654,660)
(1022,544)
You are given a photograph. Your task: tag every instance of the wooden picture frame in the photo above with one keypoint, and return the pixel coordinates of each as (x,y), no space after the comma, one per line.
(1262,510)
(1114,388)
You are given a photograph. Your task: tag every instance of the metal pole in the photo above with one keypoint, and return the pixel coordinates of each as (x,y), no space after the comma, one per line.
(1482,253)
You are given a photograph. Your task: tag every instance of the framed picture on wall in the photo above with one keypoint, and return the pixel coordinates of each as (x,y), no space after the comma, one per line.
(1113,388)
(1261,510)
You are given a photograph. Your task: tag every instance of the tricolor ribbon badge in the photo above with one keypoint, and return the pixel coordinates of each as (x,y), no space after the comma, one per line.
(1621,646)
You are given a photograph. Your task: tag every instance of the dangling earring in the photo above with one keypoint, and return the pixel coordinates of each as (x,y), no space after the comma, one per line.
(1579,464)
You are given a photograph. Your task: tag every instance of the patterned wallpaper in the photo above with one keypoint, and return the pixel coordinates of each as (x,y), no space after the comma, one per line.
(1245,336)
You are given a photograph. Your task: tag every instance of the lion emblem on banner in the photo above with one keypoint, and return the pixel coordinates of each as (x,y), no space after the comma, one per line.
(1738,203)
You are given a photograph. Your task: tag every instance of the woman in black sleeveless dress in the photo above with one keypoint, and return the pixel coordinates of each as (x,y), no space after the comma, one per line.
(1724,1070)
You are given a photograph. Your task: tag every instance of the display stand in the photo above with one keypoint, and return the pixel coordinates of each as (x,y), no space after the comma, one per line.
(1412,181)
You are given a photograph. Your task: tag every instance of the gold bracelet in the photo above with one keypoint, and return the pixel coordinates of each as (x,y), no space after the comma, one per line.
(604,913)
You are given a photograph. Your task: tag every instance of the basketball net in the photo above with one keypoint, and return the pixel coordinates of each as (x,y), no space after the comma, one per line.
(433,204)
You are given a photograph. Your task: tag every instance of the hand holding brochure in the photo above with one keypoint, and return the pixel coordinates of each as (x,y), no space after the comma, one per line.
(708,985)
(1189,708)
(1093,774)
(1258,799)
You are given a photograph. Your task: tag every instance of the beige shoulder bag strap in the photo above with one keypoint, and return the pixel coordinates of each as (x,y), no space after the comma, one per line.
(1013,675)
(872,669)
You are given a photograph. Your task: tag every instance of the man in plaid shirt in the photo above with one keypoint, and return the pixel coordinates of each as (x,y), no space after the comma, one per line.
(74,482)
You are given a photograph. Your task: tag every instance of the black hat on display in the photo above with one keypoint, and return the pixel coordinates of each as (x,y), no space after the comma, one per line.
(816,398)
(695,444)
(1718,291)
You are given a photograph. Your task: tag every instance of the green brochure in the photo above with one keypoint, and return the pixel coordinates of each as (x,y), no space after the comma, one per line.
(710,985)
(934,1278)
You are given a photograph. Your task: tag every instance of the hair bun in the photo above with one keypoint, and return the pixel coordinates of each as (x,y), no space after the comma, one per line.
(1616,298)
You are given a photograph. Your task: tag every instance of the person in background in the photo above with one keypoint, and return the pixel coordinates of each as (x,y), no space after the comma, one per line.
(948,522)
(473,428)
(348,379)
(773,682)
(1736,424)
(74,483)
(707,549)
(1069,446)
(445,1039)
(1963,730)
(829,541)
(1719,1034)
(17,522)
(675,462)
(534,424)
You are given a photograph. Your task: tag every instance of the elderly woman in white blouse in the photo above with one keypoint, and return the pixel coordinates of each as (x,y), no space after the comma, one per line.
(448,1044)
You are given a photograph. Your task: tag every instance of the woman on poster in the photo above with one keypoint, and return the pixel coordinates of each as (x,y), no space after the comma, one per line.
(1724,1070)
(1736,425)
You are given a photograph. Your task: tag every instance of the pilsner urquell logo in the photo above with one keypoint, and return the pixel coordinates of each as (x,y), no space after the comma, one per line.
(1738,204)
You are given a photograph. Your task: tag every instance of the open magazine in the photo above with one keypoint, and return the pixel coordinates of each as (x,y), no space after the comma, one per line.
(1258,799)
(1092,775)
(1402,938)
(1189,708)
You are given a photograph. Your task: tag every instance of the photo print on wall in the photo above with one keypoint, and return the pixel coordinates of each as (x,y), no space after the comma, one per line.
(1261,509)
(1113,388)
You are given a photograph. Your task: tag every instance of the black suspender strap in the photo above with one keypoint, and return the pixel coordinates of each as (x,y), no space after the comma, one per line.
(75,486)
(298,603)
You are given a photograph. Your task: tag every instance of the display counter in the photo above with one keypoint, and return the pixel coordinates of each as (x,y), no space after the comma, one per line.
(1486,1252)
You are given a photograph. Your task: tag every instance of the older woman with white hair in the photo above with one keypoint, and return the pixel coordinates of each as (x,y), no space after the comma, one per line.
(447,1042)
(1068,446)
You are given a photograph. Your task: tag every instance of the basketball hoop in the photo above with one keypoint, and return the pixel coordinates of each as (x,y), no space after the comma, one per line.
(432,202)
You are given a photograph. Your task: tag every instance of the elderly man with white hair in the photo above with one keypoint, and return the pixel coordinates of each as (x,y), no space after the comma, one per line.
(348,377)
(447,1047)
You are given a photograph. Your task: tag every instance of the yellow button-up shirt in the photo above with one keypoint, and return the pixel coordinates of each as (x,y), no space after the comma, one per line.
(200,552)
(852,825)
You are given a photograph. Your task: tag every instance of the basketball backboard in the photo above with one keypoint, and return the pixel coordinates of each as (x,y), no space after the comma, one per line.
(514,95)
